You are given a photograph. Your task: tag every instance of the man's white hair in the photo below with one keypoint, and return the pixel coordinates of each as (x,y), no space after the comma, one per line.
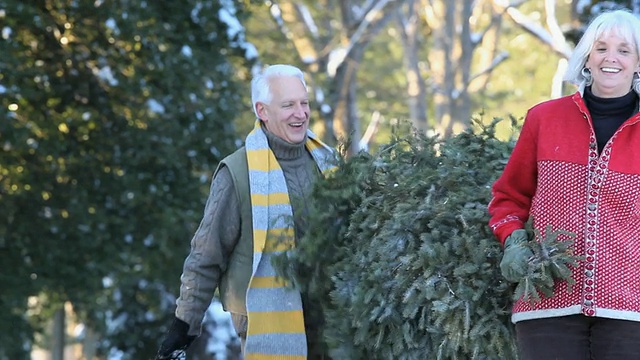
(260,90)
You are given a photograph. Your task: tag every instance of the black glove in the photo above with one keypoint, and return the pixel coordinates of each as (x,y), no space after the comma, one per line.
(175,342)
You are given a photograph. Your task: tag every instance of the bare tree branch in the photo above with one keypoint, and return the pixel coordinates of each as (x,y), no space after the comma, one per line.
(364,28)
(556,83)
(363,144)
(286,13)
(496,61)
(559,46)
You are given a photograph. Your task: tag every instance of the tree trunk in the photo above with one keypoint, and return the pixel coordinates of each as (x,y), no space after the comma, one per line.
(450,62)
(441,21)
(58,335)
(89,344)
(461,110)
(408,25)
(335,59)
(345,119)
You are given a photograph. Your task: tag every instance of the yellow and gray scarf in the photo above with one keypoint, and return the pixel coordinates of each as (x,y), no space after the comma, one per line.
(275,319)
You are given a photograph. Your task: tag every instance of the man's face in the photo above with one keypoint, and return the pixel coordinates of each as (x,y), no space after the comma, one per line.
(287,115)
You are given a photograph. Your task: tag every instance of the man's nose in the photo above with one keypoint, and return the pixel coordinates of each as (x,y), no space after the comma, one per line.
(301,111)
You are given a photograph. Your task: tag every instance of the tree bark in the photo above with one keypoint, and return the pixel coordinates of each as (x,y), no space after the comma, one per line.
(451,56)
(58,334)
(89,345)
(409,25)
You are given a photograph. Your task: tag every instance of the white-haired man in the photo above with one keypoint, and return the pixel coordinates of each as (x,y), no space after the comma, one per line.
(244,221)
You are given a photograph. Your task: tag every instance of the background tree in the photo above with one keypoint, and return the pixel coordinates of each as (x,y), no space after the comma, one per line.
(457,31)
(114,115)
(409,28)
(400,255)
(414,64)
(328,39)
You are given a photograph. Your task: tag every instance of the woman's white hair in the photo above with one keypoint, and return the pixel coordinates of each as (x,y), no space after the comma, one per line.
(260,89)
(623,23)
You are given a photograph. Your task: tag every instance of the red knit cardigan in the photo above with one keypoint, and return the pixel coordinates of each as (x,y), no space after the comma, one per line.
(556,175)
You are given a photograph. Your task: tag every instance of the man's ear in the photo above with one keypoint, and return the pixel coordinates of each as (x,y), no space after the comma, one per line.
(261,110)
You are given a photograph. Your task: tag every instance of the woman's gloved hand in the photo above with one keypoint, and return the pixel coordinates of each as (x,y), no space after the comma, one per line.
(515,260)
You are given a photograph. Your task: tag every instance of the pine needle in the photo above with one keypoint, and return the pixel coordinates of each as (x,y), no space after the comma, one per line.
(552,262)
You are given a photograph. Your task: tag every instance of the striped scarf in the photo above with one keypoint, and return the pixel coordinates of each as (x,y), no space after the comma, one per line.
(275,319)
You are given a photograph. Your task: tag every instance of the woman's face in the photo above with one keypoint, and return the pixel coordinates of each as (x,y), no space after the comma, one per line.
(612,62)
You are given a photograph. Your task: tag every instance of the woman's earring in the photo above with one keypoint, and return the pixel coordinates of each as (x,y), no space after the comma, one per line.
(586,73)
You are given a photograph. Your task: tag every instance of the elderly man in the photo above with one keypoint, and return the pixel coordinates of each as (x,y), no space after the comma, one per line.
(246,218)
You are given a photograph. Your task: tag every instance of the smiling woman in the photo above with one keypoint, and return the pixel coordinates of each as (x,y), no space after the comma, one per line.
(612,62)
(576,167)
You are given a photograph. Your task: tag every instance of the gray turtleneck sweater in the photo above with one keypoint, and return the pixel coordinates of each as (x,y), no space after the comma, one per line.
(300,171)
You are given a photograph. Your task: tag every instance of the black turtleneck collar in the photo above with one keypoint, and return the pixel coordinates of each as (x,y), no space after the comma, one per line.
(608,114)
(282,149)
(625,105)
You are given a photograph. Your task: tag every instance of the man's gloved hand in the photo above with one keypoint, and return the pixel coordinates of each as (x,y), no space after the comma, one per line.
(176,341)
(515,260)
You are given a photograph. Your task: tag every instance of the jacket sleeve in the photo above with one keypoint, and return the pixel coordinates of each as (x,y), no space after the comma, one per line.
(515,188)
(211,246)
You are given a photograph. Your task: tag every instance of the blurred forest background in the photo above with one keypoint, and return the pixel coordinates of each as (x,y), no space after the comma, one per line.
(114,114)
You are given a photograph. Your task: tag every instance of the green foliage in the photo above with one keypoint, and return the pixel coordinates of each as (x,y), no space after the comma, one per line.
(113,116)
(400,242)
(552,261)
